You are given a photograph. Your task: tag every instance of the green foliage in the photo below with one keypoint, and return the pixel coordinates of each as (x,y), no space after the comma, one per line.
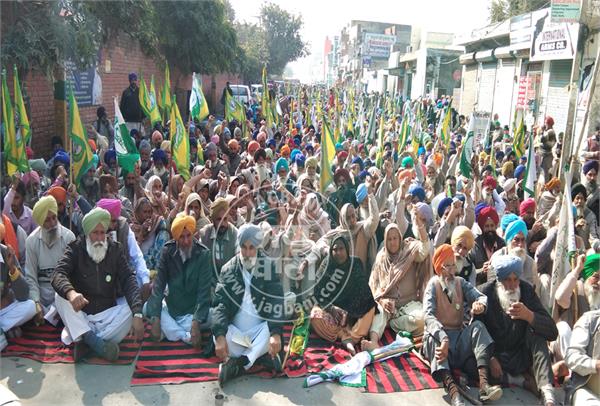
(283,38)
(253,41)
(501,10)
(192,35)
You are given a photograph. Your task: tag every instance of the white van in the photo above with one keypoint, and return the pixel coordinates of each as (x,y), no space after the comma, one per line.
(241,93)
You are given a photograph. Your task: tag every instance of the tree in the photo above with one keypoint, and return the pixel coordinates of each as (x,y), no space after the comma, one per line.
(253,41)
(501,10)
(283,39)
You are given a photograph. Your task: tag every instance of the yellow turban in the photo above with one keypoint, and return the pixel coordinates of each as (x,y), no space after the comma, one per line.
(42,207)
(507,168)
(442,253)
(93,218)
(181,223)
(464,235)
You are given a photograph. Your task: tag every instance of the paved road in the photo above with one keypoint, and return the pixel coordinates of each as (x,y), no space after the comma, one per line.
(60,384)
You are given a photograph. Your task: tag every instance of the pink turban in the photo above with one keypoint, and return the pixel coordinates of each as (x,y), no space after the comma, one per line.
(113,206)
(526,205)
(30,176)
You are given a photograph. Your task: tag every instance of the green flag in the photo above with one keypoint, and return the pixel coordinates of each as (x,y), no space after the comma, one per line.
(127,152)
(519,133)
(234,110)
(166,91)
(180,146)
(327,156)
(22,120)
(14,148)
(148,101)
(81,157)
(467,152)
(198,104)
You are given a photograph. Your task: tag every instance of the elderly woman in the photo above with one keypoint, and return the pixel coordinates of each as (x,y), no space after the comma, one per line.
(345,305)
(150,232)
(158,199)
(397,281)
(193,207)
(313,217)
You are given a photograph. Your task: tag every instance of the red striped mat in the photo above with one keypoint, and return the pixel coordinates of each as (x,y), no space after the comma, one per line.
(404,373)
(43,344)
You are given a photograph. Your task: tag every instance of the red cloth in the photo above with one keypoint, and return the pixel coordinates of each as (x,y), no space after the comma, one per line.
(485,214)
(490,181)
(526,205)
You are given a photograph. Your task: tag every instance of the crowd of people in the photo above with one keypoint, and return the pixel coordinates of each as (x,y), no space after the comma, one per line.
(254,238)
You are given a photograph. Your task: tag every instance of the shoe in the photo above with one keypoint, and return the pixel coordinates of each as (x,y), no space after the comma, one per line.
(272,364)
(80,351)
(3,341)
(228,370)
(457,400)
(489,392)
(110,351)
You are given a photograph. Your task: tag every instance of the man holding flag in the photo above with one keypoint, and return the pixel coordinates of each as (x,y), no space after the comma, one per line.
(130,105)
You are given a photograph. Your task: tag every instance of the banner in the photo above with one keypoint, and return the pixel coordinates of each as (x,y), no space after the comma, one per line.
(553,41)
(565,11)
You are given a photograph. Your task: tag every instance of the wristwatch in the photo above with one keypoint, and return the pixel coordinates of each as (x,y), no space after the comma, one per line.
(138,315)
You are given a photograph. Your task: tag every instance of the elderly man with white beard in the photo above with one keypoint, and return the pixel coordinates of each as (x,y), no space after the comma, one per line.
(248,308)
(447,343)
(519,325)
(87,279)
(515,235)
(578,293)
(44,247)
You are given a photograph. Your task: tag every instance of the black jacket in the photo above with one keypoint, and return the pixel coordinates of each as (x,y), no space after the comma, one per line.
(130,105)
(508,334)
(266,291)
(98,283)
(478,255)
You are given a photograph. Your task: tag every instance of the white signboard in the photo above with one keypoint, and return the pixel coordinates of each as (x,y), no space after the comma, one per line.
(378,45)
(553,41)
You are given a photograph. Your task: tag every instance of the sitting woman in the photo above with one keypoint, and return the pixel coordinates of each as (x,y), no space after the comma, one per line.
(150,232)
(193,207)
(397,281)
(158,199)
(345,306)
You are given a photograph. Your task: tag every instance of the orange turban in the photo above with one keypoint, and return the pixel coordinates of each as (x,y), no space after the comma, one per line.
(181,223)
(285,151)
(405,173)
(554,182)
(59,193)
(442,253)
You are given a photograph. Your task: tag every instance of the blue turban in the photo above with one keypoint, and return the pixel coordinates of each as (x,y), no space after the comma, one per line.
(271,142)
(339,146)
(62,157)
(95,160)
(507,219)
(249,232)
(282,163)
(309,147)
(193,142)
(479,207)
(504,265)
(444,204)
(110,155)
(300,160)
(159,155)
(293,154)
(363,175)
(132,76)
(358,160)
(589,165)
(514,228)
(417,191)
(361,193)
(519,171)
(145,146)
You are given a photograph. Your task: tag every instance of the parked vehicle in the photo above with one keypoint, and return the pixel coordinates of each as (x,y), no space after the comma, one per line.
(241,93)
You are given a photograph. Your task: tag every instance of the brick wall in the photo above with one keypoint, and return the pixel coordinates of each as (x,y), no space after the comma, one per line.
(120,57)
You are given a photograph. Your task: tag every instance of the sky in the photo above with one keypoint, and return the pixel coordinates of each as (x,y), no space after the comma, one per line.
(327,17)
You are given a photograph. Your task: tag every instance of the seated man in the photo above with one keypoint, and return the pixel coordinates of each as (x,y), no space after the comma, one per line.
(185,268)
(583,358)
(488,241)
(119,230)
(462,242)
(86,280)
(45,246)
(15,306)
(447,344)
(246,321)
(519,325)
(220,236)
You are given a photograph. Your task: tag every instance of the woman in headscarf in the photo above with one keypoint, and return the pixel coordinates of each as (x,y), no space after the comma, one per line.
(398,279)
(345,305)
(313,217)
(150,231)
(158,199)
(193,207)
